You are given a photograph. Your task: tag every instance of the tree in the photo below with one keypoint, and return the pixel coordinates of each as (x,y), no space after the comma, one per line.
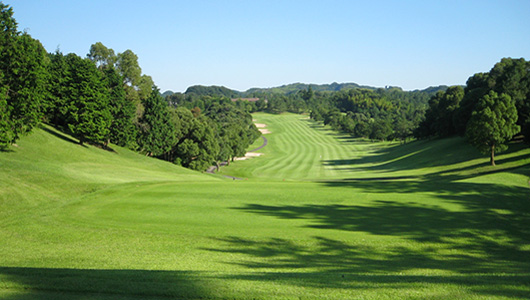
(101,55)
(156,133)
(88,115)
(512,76)
(22,79)
(127,63)
(493,123)
(477,86)
(57,107)
(122,131)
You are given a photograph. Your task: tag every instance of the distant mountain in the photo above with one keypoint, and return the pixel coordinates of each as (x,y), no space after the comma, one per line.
(293,88)
(433,89)
(213,91)
(167,93)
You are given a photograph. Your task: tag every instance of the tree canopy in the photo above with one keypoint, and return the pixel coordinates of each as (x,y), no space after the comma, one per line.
(493,123)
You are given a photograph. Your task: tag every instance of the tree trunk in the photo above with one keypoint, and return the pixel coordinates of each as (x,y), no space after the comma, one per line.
(492,156)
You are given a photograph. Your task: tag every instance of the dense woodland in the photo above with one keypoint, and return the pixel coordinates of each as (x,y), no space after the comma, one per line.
(104,98)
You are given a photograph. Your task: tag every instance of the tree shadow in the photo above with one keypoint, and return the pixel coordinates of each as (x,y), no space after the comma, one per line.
(426,154)
(488,234)
(67,138)
(337,264)
(61,135)
(46,283)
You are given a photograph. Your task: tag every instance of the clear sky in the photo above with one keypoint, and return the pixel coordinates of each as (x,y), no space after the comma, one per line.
(242,44)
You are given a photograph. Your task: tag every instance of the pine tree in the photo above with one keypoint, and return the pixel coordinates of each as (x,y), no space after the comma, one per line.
(156,133)
(122,131)
(88,115)
(22,79)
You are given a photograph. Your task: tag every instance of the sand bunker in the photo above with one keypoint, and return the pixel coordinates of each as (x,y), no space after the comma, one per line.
(261,127)
(249,155)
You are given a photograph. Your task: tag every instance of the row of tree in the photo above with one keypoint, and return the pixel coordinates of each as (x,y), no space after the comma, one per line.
(104,99)
(490,110)
(375,114)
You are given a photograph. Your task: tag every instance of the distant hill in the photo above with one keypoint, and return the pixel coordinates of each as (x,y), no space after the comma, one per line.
(167,93)
(213,91)
(292,88)
(295,87)
(433,89)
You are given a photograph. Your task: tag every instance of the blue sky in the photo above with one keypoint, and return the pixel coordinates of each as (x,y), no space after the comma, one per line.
(244,44)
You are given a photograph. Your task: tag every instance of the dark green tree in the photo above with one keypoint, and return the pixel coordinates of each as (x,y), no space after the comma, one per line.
(512,76)
(88,116)
(493,123)
(198,149)
(22,79)
(477,86)
(156,132)
(58,76)
(122,130)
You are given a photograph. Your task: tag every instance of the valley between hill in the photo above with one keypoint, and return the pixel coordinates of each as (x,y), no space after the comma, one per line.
(320,216)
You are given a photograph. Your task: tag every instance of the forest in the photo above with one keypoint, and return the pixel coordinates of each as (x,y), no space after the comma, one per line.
(105,99)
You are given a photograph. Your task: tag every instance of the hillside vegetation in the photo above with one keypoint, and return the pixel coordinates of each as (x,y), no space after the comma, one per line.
(353,219)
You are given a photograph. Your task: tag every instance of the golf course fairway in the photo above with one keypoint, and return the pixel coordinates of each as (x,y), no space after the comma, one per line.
(318,215)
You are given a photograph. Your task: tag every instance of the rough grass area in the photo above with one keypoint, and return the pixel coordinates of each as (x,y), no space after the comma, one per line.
(352,220)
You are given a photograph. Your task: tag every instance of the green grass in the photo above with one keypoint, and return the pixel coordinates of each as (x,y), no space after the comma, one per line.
(352,220)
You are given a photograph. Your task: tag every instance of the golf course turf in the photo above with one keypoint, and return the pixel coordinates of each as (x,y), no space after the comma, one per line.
(319,216)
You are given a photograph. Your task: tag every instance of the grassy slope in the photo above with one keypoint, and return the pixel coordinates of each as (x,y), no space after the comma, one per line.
(372,221)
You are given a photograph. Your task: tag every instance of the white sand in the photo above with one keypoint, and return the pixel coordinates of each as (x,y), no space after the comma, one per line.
(249,155)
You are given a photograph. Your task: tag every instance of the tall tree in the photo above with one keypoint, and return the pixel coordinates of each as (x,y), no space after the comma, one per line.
(493,123)
(101,55)
(512,76)
(88,115)
(57,107)
(156,133)
(22,79)
(127,63)
(122,130)
(477,86)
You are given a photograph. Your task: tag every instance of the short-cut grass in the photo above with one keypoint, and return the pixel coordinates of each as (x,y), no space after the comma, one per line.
(320,216)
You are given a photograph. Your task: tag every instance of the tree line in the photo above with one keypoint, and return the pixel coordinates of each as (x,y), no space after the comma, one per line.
(104,98)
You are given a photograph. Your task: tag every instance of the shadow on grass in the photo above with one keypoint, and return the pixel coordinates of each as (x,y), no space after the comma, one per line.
(425,154)
(45,283)
(484,239)
(65,137)
(60,135)
(492,222)
(338,265)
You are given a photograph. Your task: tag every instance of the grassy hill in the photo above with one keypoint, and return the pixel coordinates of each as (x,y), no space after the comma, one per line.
(321,216)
